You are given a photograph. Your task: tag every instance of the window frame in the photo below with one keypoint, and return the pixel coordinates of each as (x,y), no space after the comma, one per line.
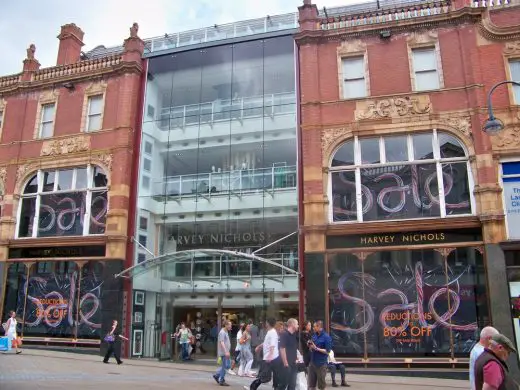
(513,88)
(40,175)
(2,115)
(437,160)
(344,80)
(502,176)
(42,122)
(90,115)
(415,72)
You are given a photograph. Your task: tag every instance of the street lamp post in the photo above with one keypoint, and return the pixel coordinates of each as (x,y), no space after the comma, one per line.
(494,125)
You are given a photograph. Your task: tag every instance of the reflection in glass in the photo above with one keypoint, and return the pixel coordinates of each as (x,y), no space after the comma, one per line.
(344,196)
(456,188)
(98,212)
(369,150)
(349,315)
(65,179)
(48,181)
(27,217)
(61,214)
(100,178)
(344,155)
(402,299)
(450,146)
(423,146)
(32,185)
(396,148)
(81,178)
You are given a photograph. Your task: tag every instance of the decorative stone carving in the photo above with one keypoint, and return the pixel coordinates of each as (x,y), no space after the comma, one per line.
(394,108)
(96,87)
(419,38)
(31,50)
(65,146)
(105,159)
(512,48)
(133,30)
(460,123)
(351,46)
(3,175)
(508,139)
(329,136)
(21,171)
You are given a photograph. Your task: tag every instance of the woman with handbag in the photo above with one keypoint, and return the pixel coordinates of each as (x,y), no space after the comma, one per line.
(246,355)
(10,332)
(111,339)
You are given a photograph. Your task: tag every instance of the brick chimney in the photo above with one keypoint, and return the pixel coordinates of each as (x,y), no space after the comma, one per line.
(71,41)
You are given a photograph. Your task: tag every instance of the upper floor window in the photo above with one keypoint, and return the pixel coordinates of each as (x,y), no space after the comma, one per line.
(95,113)
(1,118)
(46,129)
(426,74)
(422,175)
(64,202)
(354,83)
(514,68)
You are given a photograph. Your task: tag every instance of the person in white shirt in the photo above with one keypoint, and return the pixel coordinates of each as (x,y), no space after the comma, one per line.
(237,350)
(334,366)
(485,339)
(271,366)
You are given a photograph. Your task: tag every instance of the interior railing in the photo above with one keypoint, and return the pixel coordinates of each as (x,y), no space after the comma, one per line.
(224,183)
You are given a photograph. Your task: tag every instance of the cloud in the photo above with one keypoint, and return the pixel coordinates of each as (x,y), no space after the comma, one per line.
(107,22)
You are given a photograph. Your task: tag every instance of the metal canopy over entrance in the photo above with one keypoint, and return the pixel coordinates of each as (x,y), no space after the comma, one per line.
(218,257)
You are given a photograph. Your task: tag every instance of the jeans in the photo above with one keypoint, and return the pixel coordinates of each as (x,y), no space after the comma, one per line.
(333,368)
(185,352)
(221,372)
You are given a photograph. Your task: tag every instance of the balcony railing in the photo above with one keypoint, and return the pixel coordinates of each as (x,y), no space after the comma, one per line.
(225,183)
(493,3)
(225,110)
(223,267)
(395,14)
(224,31)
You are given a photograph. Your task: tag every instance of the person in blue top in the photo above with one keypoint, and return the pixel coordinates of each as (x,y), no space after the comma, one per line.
(320,345)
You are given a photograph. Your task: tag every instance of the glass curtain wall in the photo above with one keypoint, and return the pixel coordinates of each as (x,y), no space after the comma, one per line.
(218,171)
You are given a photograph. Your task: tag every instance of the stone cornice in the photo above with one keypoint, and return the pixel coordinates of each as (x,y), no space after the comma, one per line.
(15,85)
(493,32)
(460,16)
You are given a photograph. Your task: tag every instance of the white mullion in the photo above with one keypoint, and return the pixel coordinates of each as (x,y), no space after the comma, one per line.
(86,217)
(74,178)
(56,180)
(90,176)
(382,151)
(471,184)
(359,196)
(39,178)
(331,199)
(440,177)
(409,144)
(357,151)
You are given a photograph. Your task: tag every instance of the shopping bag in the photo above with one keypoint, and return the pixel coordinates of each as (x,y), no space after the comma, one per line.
(19,341)
(5,344)
(301,381)
(219,360)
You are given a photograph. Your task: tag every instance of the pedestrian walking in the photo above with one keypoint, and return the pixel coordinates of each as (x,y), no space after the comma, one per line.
(184,335)
(224,353)
(238,347)
(320,346)
(10,332)
(485,339)
(255,340)
(289,355)
(491,369)
(112,340)
(246,355)
(270,365)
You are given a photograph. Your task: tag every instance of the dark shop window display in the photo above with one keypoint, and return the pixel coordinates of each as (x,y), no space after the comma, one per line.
(409,302)
(399,177)
(63,300)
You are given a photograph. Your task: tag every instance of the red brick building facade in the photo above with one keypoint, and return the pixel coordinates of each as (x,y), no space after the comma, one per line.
(404,202)
(66,155)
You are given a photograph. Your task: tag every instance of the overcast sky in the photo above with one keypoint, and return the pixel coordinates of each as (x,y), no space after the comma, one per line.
(107,22)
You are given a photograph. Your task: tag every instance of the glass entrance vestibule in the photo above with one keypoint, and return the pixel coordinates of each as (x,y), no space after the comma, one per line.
(168,290)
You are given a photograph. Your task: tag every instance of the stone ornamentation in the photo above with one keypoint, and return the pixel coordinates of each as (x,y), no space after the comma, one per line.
(31,50)
(134,30)
(509,139)
(105,159)
(65,146)
(460,123)
(512,48)
(329,136)
(393,108)
(3,176)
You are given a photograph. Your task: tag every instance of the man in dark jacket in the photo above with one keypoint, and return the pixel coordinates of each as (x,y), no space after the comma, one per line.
(491,370)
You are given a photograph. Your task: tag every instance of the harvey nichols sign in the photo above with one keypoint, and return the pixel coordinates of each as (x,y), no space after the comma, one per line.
(220,238)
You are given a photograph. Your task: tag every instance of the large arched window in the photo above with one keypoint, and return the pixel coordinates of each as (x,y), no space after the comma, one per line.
(422,175)
(64,202)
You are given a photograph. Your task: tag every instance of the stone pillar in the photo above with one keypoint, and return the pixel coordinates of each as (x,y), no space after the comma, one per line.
(30,64)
